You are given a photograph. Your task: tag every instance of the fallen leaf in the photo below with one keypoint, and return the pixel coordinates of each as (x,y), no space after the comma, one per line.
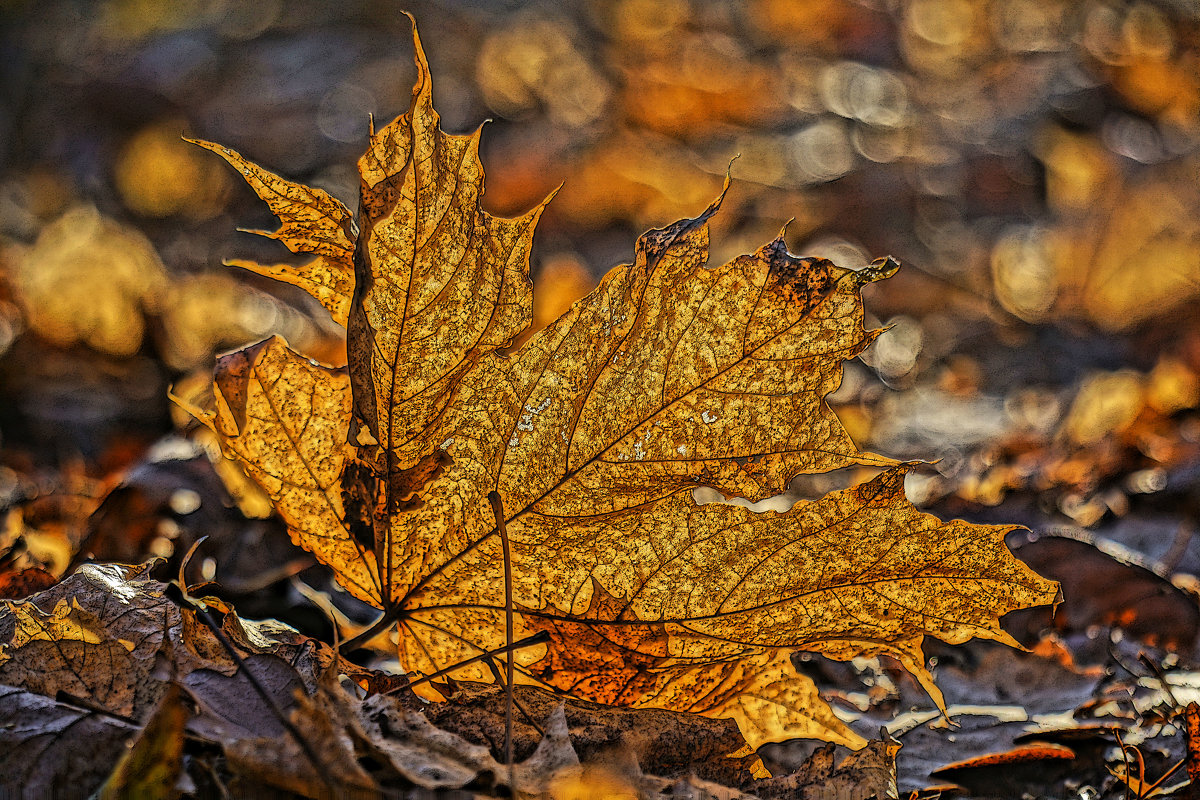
(151,767)
(230,707)
(553,759)
(829,775)
(417,750)
(101,634)
(1013,772)
(284,419)
(53,749)
(282,762)
(664,743)
(1191,716)
(673,374)
(87,662)
(22,582)
(1105,584)
(399,746)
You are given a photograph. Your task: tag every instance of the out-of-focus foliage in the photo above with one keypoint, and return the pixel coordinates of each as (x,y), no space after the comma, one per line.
(90,280)
(158,175)
(1031,160)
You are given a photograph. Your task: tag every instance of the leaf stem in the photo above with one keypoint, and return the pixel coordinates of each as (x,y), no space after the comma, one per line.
(498,511)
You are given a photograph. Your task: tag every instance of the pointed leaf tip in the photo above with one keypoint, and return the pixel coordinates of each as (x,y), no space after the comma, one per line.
(879,269)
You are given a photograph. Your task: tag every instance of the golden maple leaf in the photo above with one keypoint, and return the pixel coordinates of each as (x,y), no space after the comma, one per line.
(672,374)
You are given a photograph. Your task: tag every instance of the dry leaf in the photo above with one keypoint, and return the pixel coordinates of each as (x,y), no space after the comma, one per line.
(229,706)
(151,767)
(101,634)
(399,746)
(86,663)
(280,761)
(553,760)
(673,374)
(664,743)
(827,775)
(423,754)
(313,222)
(54,749)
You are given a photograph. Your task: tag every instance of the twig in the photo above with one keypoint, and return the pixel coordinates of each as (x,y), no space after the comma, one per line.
(1163,779)
(262,692)
(1141,777)
(498,511)
(83,704)
(202,614)
(1162,678)
(517,706)
(541,637)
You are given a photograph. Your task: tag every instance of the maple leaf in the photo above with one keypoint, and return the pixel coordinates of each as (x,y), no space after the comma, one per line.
(672,374)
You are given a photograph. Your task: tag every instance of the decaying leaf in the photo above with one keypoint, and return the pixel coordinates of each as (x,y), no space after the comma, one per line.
(281,761)
(663,743)
(671,375)
(230,708)
(88,662)
(861,775)
(400,746)
(422,753)
(54,749)
(151,767)
(99,635)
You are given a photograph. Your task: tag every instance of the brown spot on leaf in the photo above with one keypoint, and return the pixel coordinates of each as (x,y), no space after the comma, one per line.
(407,483)
(803,282)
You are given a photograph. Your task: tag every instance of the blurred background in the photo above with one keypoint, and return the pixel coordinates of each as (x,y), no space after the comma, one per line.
(1033,163)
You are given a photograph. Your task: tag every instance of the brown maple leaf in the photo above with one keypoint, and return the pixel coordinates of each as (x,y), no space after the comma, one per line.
(672,374)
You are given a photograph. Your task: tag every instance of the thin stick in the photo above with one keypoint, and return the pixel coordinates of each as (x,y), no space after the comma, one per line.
(291,728)
(1166,775)
(83,704)
(498,511)
(516,703)
(541,637)
(1162,678)
(199,609)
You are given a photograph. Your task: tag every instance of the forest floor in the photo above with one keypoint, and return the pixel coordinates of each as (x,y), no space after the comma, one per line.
(1032,165)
